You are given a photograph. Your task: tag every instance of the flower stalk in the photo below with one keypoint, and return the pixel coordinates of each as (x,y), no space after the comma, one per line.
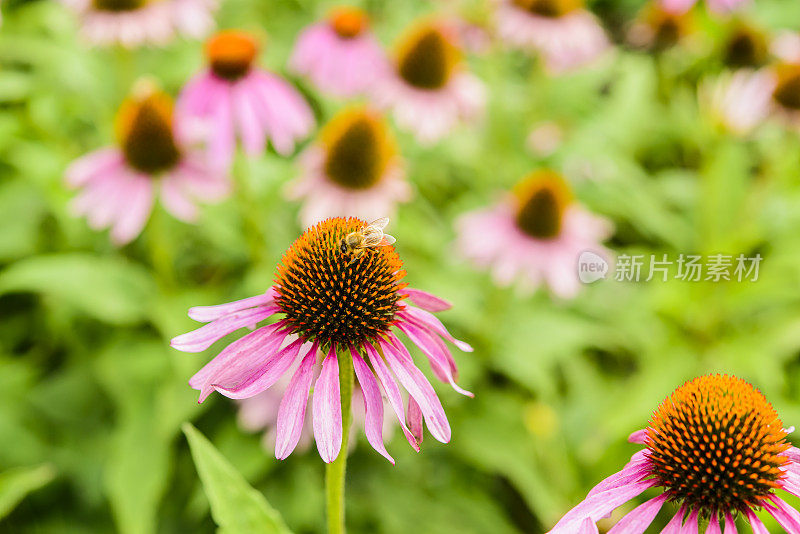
(335,471)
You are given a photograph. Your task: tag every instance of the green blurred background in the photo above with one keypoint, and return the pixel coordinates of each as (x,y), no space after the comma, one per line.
(92,398)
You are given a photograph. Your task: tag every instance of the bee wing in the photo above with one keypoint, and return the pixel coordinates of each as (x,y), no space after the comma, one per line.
(379,224)
(387,240)
(373,239)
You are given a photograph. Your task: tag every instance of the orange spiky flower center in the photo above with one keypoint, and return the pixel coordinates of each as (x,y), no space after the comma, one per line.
(745,47)
(549,8)
(717,445)
(427,57)
(359,148)
(144,129)
(231,54)
(118,5)
(348,22)
(542,199)
(787,90)
(330,296)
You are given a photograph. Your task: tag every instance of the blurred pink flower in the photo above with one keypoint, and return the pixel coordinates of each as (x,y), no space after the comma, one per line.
(739,101)
(429,91)
(352,170)
(717,448)
(534,237)
(565,34)
(132,23)
(716,6)
(340,55)
(118,185)
(235,99)
(786,46)
(329,300)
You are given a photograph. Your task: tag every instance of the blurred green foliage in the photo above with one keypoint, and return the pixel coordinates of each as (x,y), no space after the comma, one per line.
(92,398)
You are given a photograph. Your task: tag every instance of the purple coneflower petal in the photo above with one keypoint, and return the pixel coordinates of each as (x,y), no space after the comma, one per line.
(638,436)
(418,387)
(176,201)
(635,470)
(131,222)
(392,391)
(785,515)
(675,526)
(415,419)
(222,144)
(755,523)
(93,165)
(588,527)
(373,405)
(730,524)
(292,411)
(435,352)
(254,135)
(427,319)
(713,525)
(637,521)
(600,505)
(426,300)
(205,336)
(209,313)
(327,408)
(691,525)
(248,378)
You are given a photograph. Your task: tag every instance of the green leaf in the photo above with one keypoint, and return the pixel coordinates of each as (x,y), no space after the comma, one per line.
(16,483)
(235,505)
(108,289)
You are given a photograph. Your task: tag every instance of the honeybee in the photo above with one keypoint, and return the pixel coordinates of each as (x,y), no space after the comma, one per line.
(357,243)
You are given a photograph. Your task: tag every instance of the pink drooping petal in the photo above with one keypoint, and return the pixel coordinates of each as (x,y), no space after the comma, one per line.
(713,525)
(638,436)
(785,515)
(414,418)
(222,142)
(248,350)
(252,132)
(755,523)
(430,321)
(392,391)
(600,505)
(691,525)
(373,404)
(205,336)
(676,523)
(418,387)
(634,471)
(243,381)
(93,165)
(210,313)
(427,301)
(730,524)
(435,350)
(588,527)
(140,203)
(637,521)
(292,411)
(176,201)
(327,408)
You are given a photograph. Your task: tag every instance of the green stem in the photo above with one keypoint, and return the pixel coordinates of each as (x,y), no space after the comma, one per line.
(160,252)
(246,198)
(335,471)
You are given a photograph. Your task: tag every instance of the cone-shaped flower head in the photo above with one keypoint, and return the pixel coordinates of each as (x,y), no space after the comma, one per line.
(745,47)
(717,449)
(353,169)
(119,184)
(334,293)
(430,90)
(535,235)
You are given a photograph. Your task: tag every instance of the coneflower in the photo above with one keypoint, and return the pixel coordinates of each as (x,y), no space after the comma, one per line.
(236,99)
(715,448)
(354,169)
(118,185)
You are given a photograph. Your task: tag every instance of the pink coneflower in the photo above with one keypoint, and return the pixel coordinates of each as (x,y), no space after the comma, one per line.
(739,101)
(353,170)
(118,185)
(260,413)
(234,99)
(335,302)
(340,55)
(657,29)
(565,34)
(133,23)
(429,89)
(534,236)
(717,449)
(716,6)
(745,47)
